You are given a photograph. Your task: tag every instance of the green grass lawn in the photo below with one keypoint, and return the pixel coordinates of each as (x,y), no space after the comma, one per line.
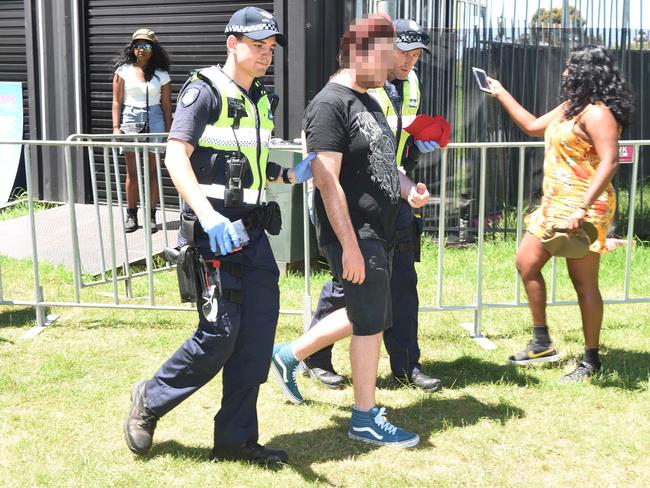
(64,395)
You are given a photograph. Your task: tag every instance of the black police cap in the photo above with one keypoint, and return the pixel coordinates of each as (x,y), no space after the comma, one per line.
(409,35)
(255,23)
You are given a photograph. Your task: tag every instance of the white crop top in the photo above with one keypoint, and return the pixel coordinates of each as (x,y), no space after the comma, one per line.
(135,91)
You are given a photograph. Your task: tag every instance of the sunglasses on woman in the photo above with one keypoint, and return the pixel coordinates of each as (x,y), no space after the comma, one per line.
(144,47)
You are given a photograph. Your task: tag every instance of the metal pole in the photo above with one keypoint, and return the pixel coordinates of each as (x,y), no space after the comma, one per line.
(73,223)
(161,198)
(520,217)
(441,222)
(146,209)
(307,257)
(479,259)
(111,225)
(100,234)
(38,291)
(630,225)
(118,185)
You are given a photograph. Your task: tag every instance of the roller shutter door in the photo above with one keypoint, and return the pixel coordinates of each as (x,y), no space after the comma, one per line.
(190,30)
(13,53)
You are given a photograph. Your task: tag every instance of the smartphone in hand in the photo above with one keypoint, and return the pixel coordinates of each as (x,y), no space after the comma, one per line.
(481,79)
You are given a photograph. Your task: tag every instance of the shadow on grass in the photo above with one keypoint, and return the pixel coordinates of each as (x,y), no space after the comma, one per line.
(629,370)
(425,417)
(469,370)
(178,450)
(18,317)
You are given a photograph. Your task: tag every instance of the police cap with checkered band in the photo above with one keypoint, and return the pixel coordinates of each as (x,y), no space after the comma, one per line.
(409,35)
(255,23)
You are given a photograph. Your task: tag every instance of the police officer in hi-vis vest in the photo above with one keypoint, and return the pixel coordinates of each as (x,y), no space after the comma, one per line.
(217,155)
(400,101)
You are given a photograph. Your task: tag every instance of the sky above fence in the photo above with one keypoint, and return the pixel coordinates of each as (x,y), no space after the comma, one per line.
(597,13)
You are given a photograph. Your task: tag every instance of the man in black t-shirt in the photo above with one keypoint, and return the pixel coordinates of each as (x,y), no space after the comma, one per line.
(358,189)
(400,101)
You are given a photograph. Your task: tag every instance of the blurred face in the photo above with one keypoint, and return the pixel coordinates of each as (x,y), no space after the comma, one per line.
(372,66)
(404,63)
(142,50)
(254,57)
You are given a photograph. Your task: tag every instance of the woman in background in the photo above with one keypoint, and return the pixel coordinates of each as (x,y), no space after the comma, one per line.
(581,158)
(141,94)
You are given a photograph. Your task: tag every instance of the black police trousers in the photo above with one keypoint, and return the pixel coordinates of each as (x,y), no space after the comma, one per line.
(240,343)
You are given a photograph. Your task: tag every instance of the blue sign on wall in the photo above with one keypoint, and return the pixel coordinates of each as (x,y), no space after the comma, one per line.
(11,127)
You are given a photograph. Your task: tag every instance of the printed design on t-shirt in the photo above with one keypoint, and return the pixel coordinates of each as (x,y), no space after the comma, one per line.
(381,157)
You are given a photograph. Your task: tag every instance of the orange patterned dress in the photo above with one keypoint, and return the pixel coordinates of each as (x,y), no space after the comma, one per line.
(570,163)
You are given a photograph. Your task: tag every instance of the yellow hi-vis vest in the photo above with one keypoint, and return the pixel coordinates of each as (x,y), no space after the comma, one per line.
(222,138)
(410,104)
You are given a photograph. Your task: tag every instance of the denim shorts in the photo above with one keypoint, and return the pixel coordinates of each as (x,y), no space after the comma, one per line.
(368,305)
(133,115)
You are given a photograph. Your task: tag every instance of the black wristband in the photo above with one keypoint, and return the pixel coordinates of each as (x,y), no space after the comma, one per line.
(273,170)
(285,176)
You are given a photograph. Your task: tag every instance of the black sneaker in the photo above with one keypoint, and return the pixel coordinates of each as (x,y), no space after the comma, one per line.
(583,372)
(140,423)
(535,353)
(329,378)
(250,451)
(131,223)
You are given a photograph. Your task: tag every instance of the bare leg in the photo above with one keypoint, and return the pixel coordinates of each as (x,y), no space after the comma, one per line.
(153,178)
(584,275)
(364,358)
(332,328)
(531,258)
(131,181)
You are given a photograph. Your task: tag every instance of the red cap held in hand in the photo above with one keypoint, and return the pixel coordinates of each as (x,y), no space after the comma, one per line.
(427,128)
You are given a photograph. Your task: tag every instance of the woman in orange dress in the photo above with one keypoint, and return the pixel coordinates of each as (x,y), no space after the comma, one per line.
(581,157)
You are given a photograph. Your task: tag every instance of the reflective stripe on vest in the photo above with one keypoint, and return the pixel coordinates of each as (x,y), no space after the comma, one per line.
(410,104)
(253,135)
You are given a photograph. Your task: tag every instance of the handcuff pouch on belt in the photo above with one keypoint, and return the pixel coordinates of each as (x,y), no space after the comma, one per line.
(267,216)
(409,238)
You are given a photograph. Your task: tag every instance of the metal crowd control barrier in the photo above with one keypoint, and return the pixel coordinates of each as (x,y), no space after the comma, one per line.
(144,192)
(476,306)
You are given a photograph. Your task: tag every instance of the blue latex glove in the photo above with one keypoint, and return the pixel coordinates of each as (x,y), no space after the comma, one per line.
(221,233)
(302,171)
(426,146)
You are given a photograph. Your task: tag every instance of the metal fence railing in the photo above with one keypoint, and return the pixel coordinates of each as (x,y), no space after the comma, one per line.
(525,45)
(473,298)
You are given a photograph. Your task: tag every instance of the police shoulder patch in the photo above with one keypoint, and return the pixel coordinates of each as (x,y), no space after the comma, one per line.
(190,96)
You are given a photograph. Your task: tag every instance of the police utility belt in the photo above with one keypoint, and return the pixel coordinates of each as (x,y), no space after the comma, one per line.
(201,278)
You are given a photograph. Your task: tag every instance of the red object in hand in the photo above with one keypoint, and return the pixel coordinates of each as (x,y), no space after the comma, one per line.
(427,128)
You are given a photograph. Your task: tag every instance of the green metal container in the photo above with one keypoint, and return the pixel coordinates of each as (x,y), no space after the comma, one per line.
(288,246)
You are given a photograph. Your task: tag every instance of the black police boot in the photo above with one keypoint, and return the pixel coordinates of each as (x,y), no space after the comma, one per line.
(419,379)
(140,423)
(426,383)
(252,452)
(131,223)
(327,376)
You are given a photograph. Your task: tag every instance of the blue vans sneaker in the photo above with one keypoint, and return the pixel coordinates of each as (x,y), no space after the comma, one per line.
(285,365)
(372,427)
